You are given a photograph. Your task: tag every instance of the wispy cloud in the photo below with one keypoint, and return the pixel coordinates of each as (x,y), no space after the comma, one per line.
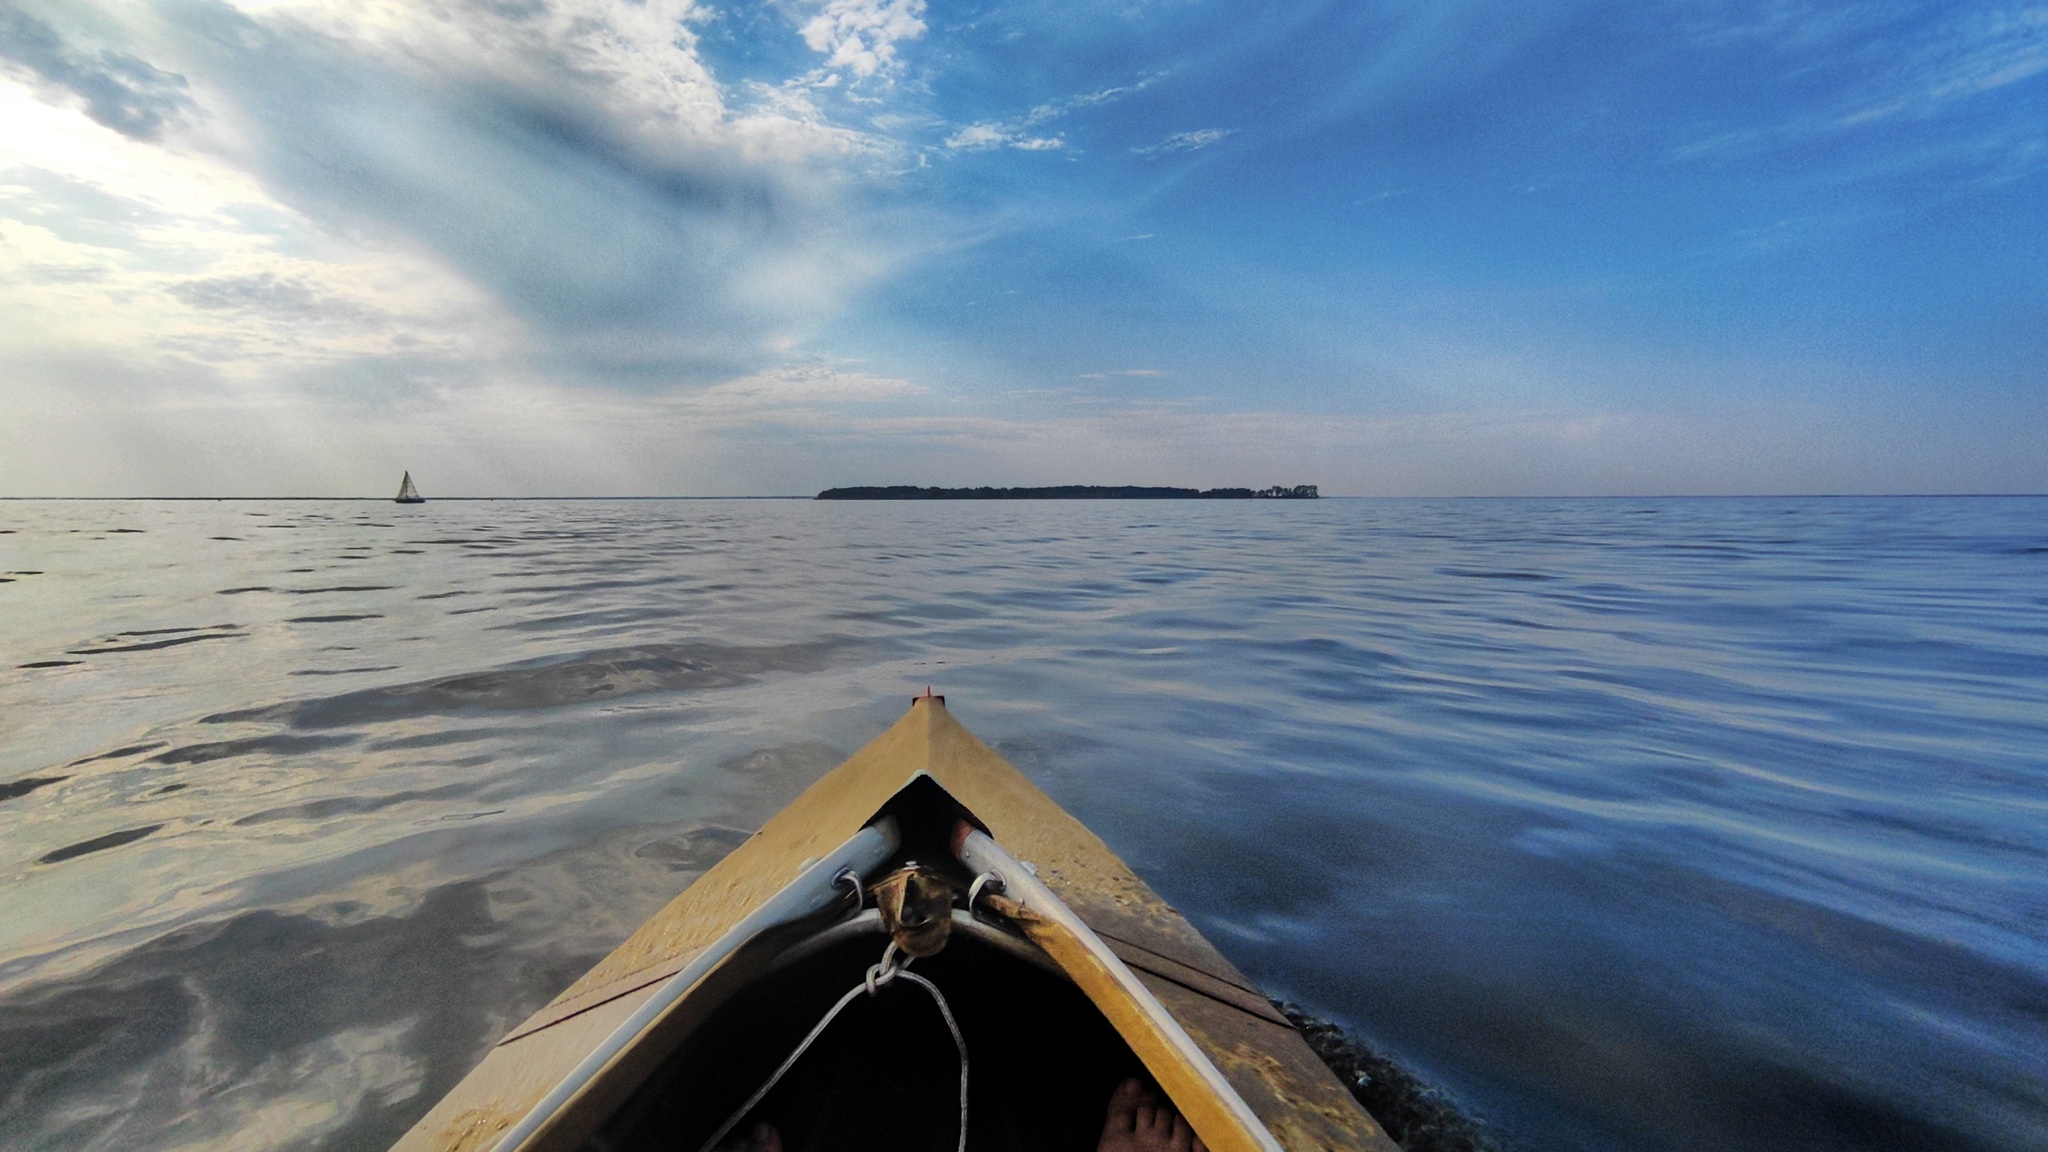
(785,389)
(269,294)
(1142,372)
(1187,141)
(1877,63)
(1020,132)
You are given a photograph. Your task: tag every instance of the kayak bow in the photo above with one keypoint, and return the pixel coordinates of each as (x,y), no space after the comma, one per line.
(1067,974)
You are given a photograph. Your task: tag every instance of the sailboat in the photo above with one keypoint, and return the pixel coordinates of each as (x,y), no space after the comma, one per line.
(407,494)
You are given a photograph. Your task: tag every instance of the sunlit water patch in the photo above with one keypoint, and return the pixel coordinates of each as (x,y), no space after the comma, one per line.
(1656,823)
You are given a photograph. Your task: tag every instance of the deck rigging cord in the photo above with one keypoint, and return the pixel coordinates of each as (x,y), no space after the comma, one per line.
(878,977)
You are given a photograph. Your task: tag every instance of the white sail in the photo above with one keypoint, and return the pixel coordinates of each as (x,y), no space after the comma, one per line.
(407,494)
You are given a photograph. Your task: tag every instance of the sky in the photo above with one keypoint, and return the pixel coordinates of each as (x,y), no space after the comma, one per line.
(1440,247)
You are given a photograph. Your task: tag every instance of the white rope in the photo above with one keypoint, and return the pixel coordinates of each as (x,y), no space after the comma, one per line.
(959,1042)
(985,880)
(876,979)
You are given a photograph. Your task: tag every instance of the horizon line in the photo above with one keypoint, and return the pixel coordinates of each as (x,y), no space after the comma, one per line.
(813,497)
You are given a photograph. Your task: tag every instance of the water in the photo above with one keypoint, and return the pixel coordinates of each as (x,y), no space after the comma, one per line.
(1632,823)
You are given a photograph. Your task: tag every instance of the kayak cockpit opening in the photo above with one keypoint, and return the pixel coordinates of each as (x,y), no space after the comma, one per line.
(885,1075)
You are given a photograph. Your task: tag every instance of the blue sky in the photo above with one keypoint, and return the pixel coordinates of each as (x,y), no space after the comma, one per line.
(587,247)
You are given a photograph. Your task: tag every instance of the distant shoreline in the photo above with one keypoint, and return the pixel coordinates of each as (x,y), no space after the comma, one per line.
(1069,492)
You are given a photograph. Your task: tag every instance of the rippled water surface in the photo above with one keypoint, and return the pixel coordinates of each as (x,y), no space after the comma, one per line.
(1632,823)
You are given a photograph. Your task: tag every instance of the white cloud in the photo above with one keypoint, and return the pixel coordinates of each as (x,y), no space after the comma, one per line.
(131,249)
(388,182)
(861,35)
(1187,141)
(638,62)
(985,136)
(344,227)
(979,137)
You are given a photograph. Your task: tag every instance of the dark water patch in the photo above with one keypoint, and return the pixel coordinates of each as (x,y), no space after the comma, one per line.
(353,805)
(97,844)
(339,588)
(1721,549)
(27,572)
(342,671)
(1774,1105)
(126,531)
(586,586)
(1420,1117)
(895,618)
(223,537)
(249,588)
(50,664)
(473,611)
(170,788)
(185,636)
(445,595)
(1326,651)
(433,739)
(335,618)
(458,817)
(604,674)
(174,631)
(277,744)
(27,784)
(6,580)
(407,552)
(1492,574)
(914,613)
(639,614)
(693,851)
(119,753)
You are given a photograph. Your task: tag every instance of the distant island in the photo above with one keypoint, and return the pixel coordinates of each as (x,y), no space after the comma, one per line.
(1069,492)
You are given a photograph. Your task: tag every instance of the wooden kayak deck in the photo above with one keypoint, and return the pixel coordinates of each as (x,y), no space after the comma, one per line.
(1298,1099)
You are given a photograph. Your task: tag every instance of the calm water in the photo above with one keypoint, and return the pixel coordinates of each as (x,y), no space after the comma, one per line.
(1635,824)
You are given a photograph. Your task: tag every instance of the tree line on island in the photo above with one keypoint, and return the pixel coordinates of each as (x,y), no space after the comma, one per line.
(1068,492)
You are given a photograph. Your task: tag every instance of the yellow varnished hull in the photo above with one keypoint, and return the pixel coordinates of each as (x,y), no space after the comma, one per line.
(1299,1102)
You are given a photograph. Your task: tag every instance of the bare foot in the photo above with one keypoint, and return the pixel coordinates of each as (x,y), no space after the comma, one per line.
(764,1138)
(1140,1121)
